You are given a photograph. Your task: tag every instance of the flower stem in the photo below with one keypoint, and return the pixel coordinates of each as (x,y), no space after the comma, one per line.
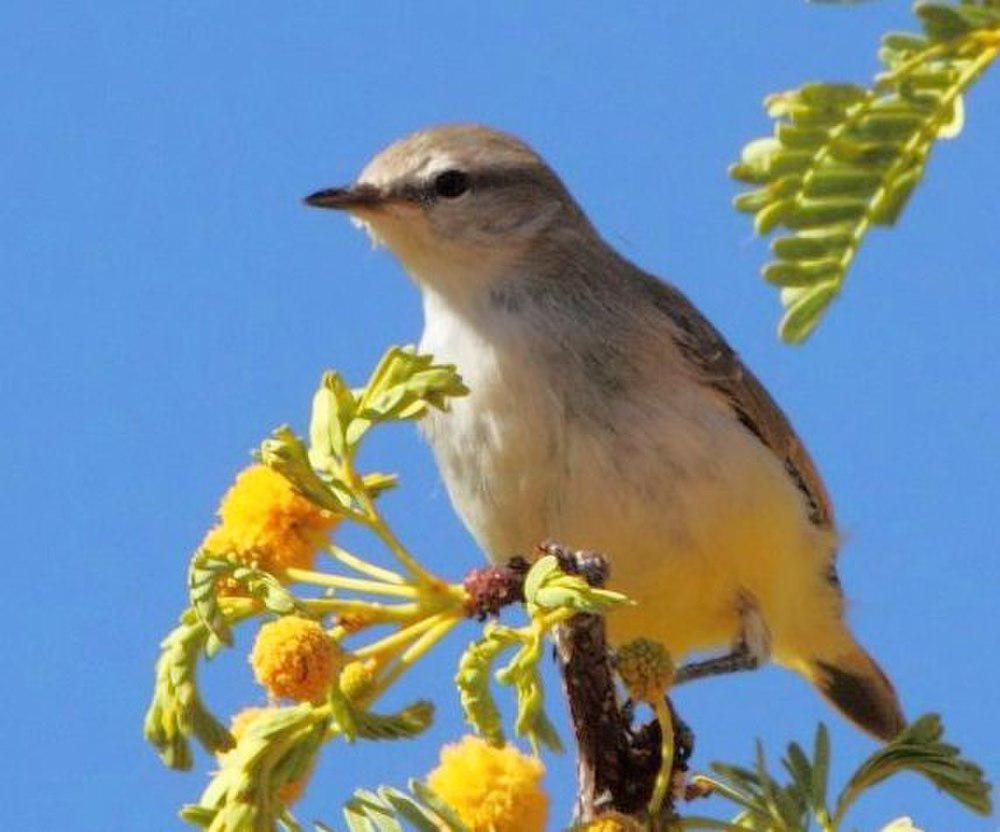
(375,522)
(664,775)
(378,613)
(363,566)
(393,643)
(342,582)
(415,652)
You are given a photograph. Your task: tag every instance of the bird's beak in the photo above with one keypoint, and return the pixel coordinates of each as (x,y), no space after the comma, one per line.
(347,199)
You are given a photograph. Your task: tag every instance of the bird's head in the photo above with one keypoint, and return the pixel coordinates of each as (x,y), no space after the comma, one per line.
(455,203)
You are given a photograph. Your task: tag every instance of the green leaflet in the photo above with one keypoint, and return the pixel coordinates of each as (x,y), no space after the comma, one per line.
(845,158)
(204,574)
(919,749)
(334,406)
(404,724)
(769,805)
(547,587)
(473,682)
(392,810)
(288,455)
(403,386)
(243,796)
(176,711)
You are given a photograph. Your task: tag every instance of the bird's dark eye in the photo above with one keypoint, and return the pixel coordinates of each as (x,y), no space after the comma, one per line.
(451,184)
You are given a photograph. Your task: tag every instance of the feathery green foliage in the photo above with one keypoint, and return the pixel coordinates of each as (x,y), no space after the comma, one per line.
(551,596)
(391,810)
(767,805)
(274,756)
(845,158)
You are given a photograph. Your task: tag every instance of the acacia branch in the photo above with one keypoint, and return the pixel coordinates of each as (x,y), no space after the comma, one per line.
(617,762)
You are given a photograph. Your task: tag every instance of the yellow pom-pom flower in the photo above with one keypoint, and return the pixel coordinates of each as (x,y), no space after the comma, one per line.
(238,726)
(265,521)
(357,679)
(612,822)
(646,669)
(491,789)
(295,658)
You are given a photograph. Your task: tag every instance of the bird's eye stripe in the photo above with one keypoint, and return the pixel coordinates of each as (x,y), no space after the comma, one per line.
(427,192)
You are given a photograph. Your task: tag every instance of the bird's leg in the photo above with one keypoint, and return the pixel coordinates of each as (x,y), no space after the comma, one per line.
(751,649)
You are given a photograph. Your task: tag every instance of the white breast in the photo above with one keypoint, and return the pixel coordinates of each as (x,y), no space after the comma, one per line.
(500,448)
(658,475)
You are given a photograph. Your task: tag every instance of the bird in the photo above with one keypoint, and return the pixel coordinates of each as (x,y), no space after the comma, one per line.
(607,413)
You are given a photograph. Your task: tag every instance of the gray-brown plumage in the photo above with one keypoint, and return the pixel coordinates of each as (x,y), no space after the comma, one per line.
(605,412)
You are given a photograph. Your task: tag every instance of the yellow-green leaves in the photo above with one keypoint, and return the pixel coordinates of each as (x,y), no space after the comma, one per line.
(845,158)
(404,385)
(473,682)
(176,711)
(205,573)
(284,452)
(771,806)
(246,794)
(409,722)
(334,406)
(387,810)
(548,587)
(551,597)
(522,673)
(919,749)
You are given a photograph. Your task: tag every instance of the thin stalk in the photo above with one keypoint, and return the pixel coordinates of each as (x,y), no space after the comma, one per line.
(342,582)
(379,613)
(373,520)
(415,651)
(664,775)
(363,566)
(399,639)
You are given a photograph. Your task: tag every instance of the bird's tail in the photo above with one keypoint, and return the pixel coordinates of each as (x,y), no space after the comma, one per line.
(853,683)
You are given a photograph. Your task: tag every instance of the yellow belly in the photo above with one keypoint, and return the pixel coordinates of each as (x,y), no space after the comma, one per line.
(688,579)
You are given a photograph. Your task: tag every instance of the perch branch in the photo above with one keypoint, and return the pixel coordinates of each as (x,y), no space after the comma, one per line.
(617,762)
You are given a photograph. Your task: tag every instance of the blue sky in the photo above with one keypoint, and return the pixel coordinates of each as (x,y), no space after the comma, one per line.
(167,301)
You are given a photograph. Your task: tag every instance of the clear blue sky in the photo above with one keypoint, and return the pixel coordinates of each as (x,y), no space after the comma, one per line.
(167,301)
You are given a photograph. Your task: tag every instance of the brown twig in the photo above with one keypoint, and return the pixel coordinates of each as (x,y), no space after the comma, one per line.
(616,761)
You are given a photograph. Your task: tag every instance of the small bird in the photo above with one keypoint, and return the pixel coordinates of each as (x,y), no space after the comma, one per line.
(608,414)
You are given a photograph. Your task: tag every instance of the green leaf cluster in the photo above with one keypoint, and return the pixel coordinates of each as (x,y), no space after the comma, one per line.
(548,588)
(277,750)
(522,673)
(177,711)
(767,805)
(845,158)
(208,569)
(551,595)
(919,749)
(404,386)
(354,722)
(392,810)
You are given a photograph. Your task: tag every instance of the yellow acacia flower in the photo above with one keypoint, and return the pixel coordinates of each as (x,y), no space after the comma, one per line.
(645,668)
(612,822)
(294,657)
(238,725)
(357,679)
(491,789)
(265,521)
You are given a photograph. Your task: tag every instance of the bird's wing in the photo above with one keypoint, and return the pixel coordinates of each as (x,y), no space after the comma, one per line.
(714,363)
